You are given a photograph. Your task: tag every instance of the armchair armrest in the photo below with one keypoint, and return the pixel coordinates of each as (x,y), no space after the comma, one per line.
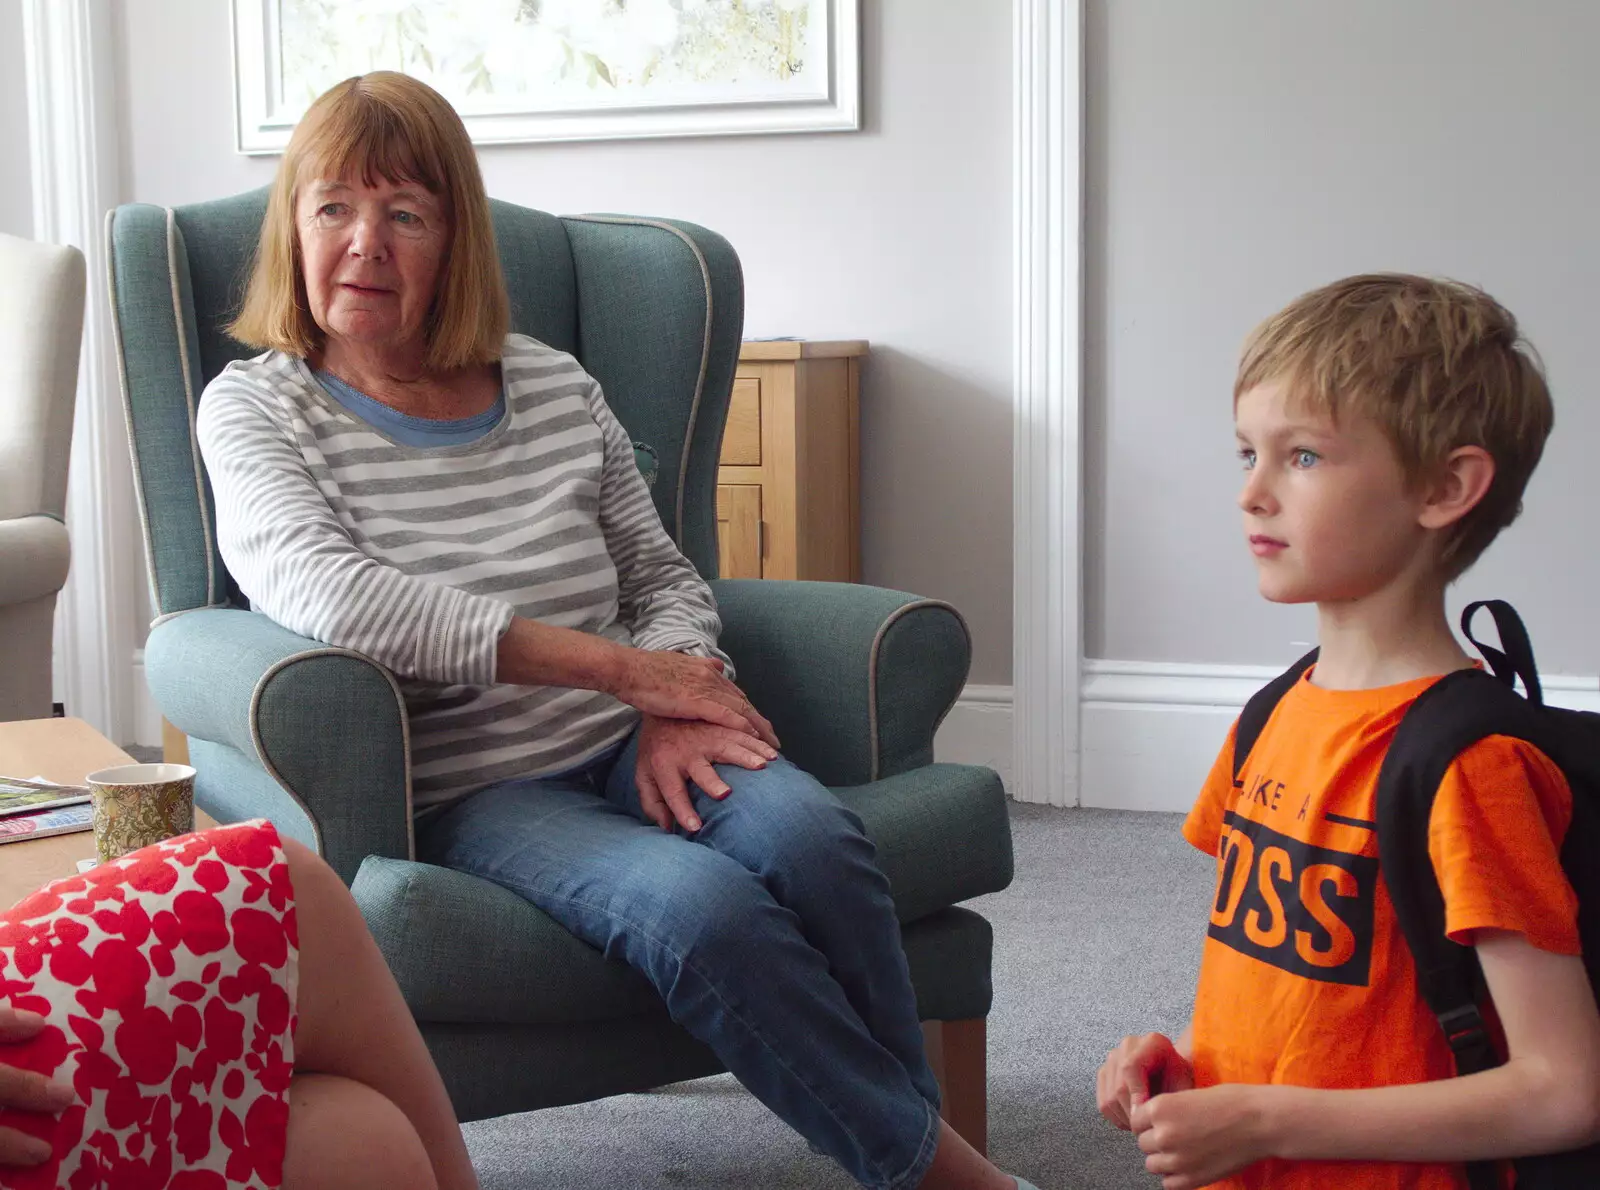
(855,679)
(34,555)
(327,725)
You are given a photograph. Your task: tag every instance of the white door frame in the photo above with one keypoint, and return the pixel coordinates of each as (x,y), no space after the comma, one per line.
(71,83)
(1047,184)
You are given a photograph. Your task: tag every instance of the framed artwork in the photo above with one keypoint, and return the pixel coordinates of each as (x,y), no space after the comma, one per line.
(560,70)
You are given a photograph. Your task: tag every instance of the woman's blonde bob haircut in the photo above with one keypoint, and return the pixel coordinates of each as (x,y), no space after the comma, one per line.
(391,126)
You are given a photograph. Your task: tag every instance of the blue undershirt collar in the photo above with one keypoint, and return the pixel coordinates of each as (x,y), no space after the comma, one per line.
(409,430)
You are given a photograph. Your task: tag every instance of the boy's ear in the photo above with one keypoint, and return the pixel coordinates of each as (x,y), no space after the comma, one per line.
(1458,486)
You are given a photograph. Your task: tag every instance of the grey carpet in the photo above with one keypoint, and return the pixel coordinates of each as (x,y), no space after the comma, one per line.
(1099,936)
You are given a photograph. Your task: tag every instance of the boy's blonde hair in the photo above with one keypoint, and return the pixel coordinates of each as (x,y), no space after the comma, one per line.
(388,125)
(1437,364)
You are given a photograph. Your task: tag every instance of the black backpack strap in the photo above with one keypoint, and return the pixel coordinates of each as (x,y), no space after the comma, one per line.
(1449,717)
(1260,707)
(1514,658)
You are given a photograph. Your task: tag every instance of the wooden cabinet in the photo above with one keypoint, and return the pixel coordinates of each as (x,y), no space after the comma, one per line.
(739,530)
(788,487)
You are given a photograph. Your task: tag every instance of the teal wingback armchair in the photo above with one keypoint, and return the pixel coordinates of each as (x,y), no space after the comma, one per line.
(518,1013)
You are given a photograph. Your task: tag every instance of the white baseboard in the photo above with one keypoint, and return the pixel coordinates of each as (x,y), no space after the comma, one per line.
(146,715)
(1150,730)
(978,731)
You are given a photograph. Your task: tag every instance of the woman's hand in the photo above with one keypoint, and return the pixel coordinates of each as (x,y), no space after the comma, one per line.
(1137,1069)
(675,752)
(656,681)
(25,1090)
(1194,1138)
(677,686)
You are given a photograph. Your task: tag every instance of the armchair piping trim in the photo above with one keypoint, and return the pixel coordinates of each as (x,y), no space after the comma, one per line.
(889,622)
(127,414)
(189,402)
(272,769)
(184,611)
(705,347)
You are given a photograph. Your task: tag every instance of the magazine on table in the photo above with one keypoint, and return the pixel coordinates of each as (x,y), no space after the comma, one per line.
(33,795)
(19,828)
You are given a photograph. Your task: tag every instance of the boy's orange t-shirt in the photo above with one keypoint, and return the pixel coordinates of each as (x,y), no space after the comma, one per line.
(1306,978)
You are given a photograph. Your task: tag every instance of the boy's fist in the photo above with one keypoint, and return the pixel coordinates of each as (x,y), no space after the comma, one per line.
(1137,1069)
(1196,1139)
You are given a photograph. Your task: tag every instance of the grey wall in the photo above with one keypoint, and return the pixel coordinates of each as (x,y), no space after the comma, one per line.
(16,187)
(899,234)
(1241,152)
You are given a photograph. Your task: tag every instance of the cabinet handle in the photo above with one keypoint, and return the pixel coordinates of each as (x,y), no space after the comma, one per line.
(761,540)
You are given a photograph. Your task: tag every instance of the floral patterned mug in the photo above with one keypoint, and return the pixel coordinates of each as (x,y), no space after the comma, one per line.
(136,805)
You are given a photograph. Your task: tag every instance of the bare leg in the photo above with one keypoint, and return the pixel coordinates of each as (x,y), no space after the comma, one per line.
(362,1069)
(958,1166)
(343,1135)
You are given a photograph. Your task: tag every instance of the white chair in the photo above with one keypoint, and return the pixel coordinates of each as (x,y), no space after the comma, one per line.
(41,330)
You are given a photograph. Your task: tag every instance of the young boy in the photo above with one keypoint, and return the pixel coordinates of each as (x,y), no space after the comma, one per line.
(1387,425)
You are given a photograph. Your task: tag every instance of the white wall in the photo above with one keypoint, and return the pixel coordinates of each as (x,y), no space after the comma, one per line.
(899,234)
(16,187)
(1243,151)
(1240,152)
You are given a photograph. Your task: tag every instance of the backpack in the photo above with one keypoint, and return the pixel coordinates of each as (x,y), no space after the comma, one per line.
(1450,716)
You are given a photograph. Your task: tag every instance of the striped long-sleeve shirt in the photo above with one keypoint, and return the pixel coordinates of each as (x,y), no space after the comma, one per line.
(419,558)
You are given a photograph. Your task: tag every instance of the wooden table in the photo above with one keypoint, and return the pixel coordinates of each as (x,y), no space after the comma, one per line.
(65,750)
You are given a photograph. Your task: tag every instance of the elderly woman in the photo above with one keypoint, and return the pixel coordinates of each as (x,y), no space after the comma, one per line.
(399,476)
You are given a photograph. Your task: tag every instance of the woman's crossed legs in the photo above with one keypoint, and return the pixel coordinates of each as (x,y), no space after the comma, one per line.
(770,934)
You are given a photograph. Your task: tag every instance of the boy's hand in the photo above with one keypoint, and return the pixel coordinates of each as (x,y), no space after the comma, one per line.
(1194,1138)
(1137,1069)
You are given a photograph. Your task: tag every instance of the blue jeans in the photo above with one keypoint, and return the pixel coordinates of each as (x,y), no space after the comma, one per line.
(769,933)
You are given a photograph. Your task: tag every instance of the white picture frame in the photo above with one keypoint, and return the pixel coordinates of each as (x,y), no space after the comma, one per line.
(774,71)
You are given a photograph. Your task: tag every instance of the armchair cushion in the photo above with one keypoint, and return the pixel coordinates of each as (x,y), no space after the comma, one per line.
(942,831)
(855,679)
(492,1069)
(466,951)
(34,556)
